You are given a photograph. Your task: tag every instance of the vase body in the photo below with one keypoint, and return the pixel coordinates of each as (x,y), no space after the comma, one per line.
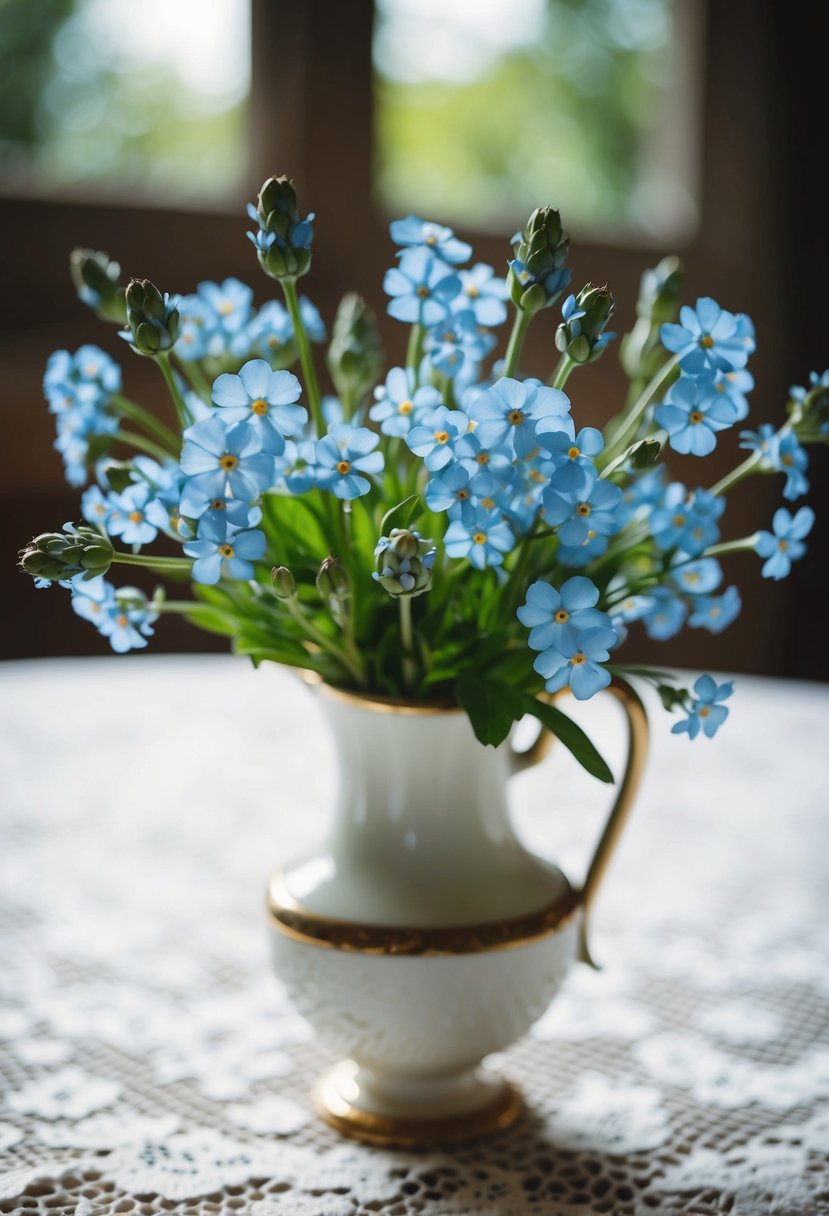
(421,935)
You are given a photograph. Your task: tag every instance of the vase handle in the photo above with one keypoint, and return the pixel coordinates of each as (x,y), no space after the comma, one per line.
(638,735)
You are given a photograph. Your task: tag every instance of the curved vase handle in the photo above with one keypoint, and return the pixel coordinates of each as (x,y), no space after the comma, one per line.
(634,768)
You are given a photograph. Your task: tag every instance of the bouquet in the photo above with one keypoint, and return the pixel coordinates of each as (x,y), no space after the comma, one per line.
(450,531)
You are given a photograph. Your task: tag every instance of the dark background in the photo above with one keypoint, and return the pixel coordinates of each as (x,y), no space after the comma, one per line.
(761,248)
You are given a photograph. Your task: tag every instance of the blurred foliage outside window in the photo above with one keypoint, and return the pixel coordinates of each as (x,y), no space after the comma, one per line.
(147,98)
(485,109)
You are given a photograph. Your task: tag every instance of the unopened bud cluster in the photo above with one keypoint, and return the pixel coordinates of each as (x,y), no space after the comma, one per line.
(404,562)
(99,284)
(581,335)
(538,275)
(283,241)
(59,556)
(153,318)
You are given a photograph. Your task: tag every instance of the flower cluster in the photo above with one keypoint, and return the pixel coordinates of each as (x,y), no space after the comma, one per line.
(300,521)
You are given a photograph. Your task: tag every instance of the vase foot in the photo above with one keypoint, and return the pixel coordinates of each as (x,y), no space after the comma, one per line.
(406,1113)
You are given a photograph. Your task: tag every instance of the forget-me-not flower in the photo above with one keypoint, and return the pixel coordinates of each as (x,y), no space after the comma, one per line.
(666,615)
(709,337)
(707,713)
(421,287)
(484,294)
(716,612)
(483,538)
(693,413)
(574,472)
(216,456)
(224,551)
(414,231)
(265,399)
(433,439)
(399,404)
(595,511)
(557,617)
(686,520)
(514,410)
(577,661)
(344,458)
(784,544)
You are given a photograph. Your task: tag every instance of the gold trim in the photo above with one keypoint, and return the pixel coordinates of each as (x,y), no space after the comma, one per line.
(301,924)
(377,703)
(388,1131)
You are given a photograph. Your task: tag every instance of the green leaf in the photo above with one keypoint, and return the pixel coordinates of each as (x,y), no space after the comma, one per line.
(492,707)
(570,735)
(405,515)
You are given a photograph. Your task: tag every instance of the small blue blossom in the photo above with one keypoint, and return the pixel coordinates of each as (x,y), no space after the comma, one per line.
(556,618)
(716,612)
(312,321)
(589,515)
(221,550)
(666,616)
(576,661)
(342,455)
(421,288)
(782,452)
(399,405)
(123,617)
(706,714)
(642,491)
(784,544)
(451,492)
(484,294)
(270,330)
(128,518)
(734,385)
(265,399)
(693,413)
(483,539)
(574,472)
(216,456)
(489,469)
(96,507)
(300,233)
(697,578)
(214,321)
(458,342)
(686,520)
(414,231)
(514,411)
(816,380)
(575,557)
(708,337)
(433,439)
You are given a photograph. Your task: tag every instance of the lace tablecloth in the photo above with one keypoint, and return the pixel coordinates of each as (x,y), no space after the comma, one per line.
(149,1061)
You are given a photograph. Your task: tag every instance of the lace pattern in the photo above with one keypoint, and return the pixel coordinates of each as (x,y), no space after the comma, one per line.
(150,1062)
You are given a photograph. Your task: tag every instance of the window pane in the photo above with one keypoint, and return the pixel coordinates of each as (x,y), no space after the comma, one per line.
(486,109)
(148,97)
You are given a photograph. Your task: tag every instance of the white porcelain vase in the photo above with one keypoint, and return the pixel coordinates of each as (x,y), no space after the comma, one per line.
(422,935)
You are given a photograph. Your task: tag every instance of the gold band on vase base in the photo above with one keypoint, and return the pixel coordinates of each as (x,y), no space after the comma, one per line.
(392,1131)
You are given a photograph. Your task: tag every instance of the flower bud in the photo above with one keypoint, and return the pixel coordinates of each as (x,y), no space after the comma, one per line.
(333,585)
(808,409)
(355,354)
(404,562)
(63,555)
(284,583)
(581,335)
(537,273)
(283,242)
(99,284)
(153,319)
(660,293)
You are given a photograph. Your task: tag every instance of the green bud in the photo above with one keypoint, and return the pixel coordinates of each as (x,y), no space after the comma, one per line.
(354,355)
(283,243)
(63,555)
(152,318)
(116,474)
(284,583)
(537,275)
(99,284)
(645,453)
(404,562)
(581,335)
(808,409)
(334,588)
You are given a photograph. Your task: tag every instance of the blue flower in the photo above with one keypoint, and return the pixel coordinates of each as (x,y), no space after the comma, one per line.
(574,472)
(763,440)
(782,452)
(716,612)
(644,490)
(123,617)
(592,514)
(215,456)
(709,338)
(483,539)
(89,376)
(576,556)
(312,321)
(299,235)
(576,661)
(489,469)
(484,294)
(263,398)
(784,544)
(128,518)
(414,231)
(693,413)
(511,410)
(734,385)
(666,616)
(458,343)
(270,330)
(706,713)
(421,288)
(686,520)
(697,578)
(451,492)
(214,321)
(556,618)
(553,283)
(224,551)
(96,507)
(799,393)
(342,455)
(399,405)
(433,439)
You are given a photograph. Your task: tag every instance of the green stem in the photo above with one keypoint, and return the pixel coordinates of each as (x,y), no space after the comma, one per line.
(143,445)
(749,465)
(414,351)
(181,409)
(306,358)
(322,640)
(180,606)
(407,638)
(136,413)
(178,565)
(197,378)
(566,366)
(516,341)
(624,427)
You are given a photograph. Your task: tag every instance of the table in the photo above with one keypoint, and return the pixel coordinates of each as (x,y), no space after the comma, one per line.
(150,1061)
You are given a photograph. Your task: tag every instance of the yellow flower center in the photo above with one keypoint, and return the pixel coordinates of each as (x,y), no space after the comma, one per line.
(782,545)
(228,462)
(787,459)
(515,417)
(482,458)
(578,658)
(463,495)
(218,504)
(122,620)
(259,406)
(679,521)
(695,417)
(488,503)
(707,341)
(430,240)
(479,538)
(704,711)
(225,308)
(442,436)
(422,291)
(561,617)
(573,453)
(343,466)
(472,291)
(583,509)
(226,550)
(405,407)
(135,517)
